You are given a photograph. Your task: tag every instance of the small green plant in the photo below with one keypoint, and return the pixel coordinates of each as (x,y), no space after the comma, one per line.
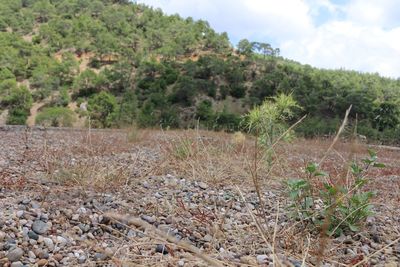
(344,205)
(269,121)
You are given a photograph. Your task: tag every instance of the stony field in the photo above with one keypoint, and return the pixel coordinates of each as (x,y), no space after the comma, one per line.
(176,198)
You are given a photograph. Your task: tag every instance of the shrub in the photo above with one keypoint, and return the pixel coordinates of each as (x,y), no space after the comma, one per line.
(19,102)
(101,108)
(55,117)
(268,121)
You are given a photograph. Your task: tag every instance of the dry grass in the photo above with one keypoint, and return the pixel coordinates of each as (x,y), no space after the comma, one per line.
(94,161)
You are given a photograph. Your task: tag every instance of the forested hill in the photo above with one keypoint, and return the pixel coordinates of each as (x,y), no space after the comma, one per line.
(128,63)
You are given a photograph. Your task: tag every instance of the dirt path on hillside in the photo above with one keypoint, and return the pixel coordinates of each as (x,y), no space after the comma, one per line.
(34,110)
(3,117)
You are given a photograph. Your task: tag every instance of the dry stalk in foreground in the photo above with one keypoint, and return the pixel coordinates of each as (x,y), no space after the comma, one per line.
(140,223)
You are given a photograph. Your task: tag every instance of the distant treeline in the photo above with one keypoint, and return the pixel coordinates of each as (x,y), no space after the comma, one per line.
(129,63)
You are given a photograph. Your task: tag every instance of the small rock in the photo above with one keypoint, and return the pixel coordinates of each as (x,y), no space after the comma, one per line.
(84,227)
(39,227)
(35,205)
(262,259)
(61,241)
(149,219)
(82,259)
(20,213)
(100,257)
(181,263)
(207,238)
(58,257)
(109,252)
(33,235)
(75,217)
(15,254)
(161,249)
(203,185)
(31,255)
(391,264)
(49,243)
(42,262)
(17,264)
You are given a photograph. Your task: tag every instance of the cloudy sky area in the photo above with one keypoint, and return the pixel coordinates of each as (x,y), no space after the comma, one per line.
(363,35)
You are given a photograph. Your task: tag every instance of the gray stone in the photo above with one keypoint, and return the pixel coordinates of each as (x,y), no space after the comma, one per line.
(33,235)
(262,259)
(20,213)
(203,185)
(17,264)
(40,227)
(35,205)
(31,255)
(61,241)
(149,219)
(82,259)
(208,238)
(100,257)
(49,243)
(161,249)
(15,254)
(84,227)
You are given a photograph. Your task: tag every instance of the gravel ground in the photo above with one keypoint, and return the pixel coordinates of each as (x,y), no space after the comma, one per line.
(48,218)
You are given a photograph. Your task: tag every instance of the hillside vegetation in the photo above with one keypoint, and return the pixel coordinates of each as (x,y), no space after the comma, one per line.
(128,63)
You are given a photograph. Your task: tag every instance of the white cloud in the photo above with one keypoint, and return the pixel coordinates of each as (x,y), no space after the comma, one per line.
(361,35)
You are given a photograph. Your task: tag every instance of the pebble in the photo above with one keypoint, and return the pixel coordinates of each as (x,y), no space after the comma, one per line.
(17,264)
(203,185)
(149,219)
(100,257)
(49,243)
(207,238)
(181,263)
(161,249)
(33,235)
(82,259)
(31,255)
(42,262)
(262,259)
(61,241)
(15,254)
(19,213)
(39,227)
(58,257)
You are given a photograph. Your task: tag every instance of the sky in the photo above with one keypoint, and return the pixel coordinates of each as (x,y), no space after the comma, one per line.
(362,35)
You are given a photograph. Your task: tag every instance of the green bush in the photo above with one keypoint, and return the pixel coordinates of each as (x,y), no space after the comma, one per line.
(318,126)
(101,109)
(55,117)
(19,102)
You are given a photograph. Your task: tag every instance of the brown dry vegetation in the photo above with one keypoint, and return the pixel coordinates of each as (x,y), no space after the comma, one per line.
(118,161)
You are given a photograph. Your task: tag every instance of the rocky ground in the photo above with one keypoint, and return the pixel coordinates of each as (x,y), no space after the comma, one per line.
(71,198)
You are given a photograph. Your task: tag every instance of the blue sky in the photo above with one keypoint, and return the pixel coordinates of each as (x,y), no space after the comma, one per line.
(362,35)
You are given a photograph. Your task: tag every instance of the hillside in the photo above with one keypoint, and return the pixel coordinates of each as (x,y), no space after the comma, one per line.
(122,63)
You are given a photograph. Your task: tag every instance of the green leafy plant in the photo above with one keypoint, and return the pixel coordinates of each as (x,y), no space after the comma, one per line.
(345,206)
